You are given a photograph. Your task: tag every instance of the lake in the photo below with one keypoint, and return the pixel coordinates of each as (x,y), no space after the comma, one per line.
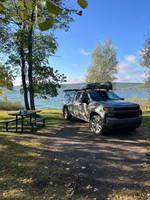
(56,102)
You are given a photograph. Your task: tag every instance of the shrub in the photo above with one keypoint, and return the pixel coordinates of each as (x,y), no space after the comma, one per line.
(138,100)
(147,103)
(143,103)
(7,105)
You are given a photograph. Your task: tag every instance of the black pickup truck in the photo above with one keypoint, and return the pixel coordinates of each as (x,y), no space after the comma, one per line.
(103,109)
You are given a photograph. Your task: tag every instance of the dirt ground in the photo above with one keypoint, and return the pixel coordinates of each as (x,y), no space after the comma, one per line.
(99,165)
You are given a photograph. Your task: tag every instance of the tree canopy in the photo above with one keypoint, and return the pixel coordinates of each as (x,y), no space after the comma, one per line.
(27,40)
(6,79)
(104,63)
(145,58)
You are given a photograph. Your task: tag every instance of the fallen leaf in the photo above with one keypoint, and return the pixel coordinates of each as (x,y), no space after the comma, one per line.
(88,187)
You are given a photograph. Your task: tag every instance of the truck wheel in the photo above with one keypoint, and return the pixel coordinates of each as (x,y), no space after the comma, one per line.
(66,114)
(96,124)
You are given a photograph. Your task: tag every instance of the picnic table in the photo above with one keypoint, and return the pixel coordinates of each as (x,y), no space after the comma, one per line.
(20,116)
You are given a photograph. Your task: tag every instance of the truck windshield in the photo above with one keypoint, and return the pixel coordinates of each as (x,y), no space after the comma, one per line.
(103,95)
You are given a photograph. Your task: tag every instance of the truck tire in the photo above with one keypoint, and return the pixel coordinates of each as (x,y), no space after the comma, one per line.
(66,114)
(96,124)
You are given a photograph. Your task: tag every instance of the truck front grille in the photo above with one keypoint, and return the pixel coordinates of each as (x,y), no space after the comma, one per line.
(129,112)
(126,115)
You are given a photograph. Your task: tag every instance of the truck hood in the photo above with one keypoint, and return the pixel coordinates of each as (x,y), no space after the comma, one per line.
(117,104)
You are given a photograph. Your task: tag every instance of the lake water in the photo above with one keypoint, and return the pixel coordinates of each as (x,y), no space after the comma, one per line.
(56,102)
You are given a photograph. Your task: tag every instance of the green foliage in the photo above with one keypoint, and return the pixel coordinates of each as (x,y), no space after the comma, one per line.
(135,99)
(147,103)
(2,7)
(47,81)
(47,24)
(83,3)
(143,103)
(7,105)
(6,79)
(30,49)
(145,58)
(104,63)
(52,8)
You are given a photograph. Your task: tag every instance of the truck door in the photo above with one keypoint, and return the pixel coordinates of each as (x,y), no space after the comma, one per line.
(77,105)
(84,106)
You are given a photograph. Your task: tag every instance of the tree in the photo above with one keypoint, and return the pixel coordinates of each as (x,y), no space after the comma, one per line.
(145,58)
(24,19)
(104,63)
(6,79)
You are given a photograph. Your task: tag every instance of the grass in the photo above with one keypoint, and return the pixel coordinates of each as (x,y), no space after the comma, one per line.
(146,117)
(126,194)
(27,173)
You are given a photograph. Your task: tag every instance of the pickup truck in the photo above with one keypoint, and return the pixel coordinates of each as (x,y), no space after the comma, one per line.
(103,109)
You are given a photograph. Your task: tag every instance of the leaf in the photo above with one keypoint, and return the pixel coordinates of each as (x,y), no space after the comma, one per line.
(2,12)
(44,26)
(1,6)
(52,8)
(42,3)
(88,187)
(83,3)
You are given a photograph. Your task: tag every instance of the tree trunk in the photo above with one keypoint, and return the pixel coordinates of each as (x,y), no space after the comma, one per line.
(24,79)
(30,70)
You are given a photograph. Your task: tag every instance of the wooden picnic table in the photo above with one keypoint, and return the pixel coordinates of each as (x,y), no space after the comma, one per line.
(18,115)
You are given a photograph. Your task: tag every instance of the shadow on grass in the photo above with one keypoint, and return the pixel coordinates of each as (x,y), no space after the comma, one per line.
(25,173)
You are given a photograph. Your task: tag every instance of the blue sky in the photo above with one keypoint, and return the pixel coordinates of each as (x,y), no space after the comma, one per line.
(124,21)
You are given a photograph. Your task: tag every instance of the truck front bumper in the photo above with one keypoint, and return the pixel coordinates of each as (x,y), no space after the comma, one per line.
(114,123)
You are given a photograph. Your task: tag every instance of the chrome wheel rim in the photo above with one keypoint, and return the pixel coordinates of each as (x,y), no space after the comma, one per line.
(96,124)
(66,113)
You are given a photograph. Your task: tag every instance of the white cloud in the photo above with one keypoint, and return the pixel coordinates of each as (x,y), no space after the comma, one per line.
(75,80)
(130,70)
(85,53)
(131,59)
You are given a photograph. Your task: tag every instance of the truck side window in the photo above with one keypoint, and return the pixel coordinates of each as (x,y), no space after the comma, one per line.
(85,98)
(69,96)
(77,98)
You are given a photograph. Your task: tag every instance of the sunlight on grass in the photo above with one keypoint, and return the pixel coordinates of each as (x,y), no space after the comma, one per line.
(126,194)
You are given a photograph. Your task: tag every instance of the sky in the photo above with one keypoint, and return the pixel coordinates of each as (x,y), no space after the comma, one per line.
(125,22)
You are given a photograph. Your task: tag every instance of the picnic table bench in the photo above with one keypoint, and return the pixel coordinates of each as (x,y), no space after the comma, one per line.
(8,121)
(32,123)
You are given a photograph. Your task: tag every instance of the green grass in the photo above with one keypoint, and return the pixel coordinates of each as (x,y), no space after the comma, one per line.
(25,172)
(146,117)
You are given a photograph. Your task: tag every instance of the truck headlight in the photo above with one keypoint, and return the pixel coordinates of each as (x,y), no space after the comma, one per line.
(108,109)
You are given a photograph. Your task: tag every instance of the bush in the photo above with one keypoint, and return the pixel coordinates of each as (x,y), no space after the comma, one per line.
(147,103)
(7,105)
(143,103)
(138,100)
